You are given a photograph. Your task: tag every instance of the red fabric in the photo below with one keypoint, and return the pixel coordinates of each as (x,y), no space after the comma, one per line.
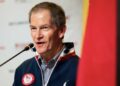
(98,62)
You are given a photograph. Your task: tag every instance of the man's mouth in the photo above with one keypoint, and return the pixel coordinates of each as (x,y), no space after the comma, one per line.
(40,43)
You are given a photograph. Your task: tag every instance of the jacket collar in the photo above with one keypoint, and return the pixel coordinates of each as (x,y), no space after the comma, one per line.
(66,53)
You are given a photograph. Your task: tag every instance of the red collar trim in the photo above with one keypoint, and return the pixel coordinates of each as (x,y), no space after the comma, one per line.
(63,58)
(36,57)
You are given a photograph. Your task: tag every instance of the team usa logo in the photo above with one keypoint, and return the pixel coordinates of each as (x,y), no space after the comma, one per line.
(28,79)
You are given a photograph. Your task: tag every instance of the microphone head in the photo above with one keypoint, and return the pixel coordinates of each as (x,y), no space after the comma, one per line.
(28,46)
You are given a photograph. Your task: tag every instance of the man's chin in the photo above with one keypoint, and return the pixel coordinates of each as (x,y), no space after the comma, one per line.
(41,51)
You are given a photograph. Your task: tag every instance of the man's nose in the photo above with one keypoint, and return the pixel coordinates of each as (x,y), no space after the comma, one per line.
(39,34)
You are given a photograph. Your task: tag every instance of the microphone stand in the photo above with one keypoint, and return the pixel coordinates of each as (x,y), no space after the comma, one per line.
(11,58)
(25,49)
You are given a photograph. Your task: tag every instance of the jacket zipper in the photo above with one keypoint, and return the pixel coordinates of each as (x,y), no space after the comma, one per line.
(41,73)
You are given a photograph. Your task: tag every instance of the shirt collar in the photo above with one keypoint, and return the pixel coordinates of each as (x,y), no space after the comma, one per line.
(51,63)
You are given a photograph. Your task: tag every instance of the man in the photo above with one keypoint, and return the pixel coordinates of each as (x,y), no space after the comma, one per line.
(56,62)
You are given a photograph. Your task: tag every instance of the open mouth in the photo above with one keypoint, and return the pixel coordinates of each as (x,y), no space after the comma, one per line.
(40,43)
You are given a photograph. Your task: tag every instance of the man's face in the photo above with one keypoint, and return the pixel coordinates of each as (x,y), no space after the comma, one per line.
(45,35)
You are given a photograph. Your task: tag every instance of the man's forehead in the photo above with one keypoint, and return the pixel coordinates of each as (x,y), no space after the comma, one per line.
(40,11)
(45,15)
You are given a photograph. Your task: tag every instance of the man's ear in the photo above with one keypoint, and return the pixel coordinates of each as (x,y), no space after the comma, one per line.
(62,32)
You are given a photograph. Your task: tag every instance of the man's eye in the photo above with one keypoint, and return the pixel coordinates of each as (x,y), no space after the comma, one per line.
(45,28)
(32,28)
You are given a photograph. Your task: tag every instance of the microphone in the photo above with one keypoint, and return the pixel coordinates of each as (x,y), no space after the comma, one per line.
(28,47)
(25,49)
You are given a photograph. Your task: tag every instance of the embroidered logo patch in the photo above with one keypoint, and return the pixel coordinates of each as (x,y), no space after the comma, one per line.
(28,79)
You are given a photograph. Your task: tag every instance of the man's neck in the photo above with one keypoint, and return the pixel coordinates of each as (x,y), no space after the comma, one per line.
(49,55)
